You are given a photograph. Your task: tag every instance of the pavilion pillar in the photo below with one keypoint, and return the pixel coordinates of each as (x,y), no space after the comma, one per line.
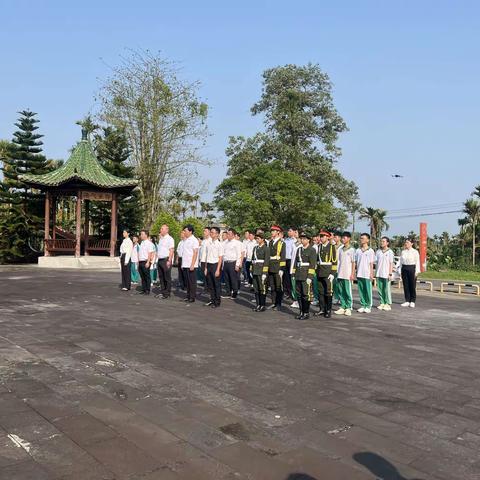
(54,216)
(87,225)
(78,219)
(47,223)
(113,228)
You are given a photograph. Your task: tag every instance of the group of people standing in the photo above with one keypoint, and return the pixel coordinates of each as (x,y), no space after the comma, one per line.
(305,267)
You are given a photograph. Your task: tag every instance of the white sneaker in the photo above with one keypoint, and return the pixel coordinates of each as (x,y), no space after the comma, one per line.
(295,305)
(387,308)
(382,306)
(361,310)
(348,312)
(340,311)
(405,304)
(368,310)
(412,304)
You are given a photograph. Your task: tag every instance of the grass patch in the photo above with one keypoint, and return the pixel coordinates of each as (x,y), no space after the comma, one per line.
(457,275)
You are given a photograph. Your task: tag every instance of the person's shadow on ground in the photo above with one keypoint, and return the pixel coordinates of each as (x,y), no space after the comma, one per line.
(380,467)
(300,476)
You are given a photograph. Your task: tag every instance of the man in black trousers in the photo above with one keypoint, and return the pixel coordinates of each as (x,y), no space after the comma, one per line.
(190,262)
(146,254)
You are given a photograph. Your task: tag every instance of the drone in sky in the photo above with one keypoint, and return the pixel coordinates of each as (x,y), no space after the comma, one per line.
(396,175)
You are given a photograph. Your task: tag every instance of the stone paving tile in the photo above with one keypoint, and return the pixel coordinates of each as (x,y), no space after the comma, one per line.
(122,457)
(27,470)
(29,425)
(85,429)
(10,454)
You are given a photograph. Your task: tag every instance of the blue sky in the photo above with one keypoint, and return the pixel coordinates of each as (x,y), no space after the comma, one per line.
(406,79)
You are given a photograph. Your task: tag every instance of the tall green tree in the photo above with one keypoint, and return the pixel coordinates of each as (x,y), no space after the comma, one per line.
(113,152)
(287,173)
(21,216)
(376,221)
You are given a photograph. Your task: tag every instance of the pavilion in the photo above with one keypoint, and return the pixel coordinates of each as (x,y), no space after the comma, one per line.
(83,177)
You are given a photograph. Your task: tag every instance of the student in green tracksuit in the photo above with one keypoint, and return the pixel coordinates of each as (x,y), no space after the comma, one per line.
(259,270)
(346,274)
(364,260)
(384,270)
(304,272)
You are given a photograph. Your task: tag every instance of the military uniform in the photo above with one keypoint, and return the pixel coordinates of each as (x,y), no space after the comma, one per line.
(326,266)
(259,271)
(275,269)
(304,271)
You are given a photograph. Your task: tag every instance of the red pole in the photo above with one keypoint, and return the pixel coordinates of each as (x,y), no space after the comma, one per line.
(423,247)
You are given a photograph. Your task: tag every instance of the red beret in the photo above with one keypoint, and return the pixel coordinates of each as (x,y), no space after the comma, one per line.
(276,227)
(324,232)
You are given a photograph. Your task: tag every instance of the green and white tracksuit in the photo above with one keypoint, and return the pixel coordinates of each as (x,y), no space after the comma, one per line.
(384,261)
(364,259)
(346,262)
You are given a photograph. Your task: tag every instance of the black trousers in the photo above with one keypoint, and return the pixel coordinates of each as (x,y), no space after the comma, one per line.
(232,278)
(145,276)
(126,272)
(325,292)
(248,273)
(190,278)
(260,288)
(275,282)
(304,292)
(409,283)
(287,279)
(165,276)
(181,280)
(214,283)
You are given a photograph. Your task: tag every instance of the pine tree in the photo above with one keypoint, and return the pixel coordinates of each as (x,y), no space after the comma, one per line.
(113,152)
(21,215)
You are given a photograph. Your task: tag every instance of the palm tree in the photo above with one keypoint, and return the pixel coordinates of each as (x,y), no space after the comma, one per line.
(476,192)
(376,222)
(205,208)
(472,209)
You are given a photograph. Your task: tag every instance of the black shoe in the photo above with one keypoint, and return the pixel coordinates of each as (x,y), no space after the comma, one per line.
(234,295)
(261,309)
(209,304)
(141,293)
(305,316)
(328,314)
(299,317)
(186,299)
(191,300)
(319,314)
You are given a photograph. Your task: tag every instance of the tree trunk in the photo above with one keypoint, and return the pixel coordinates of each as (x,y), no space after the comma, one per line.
(473,242)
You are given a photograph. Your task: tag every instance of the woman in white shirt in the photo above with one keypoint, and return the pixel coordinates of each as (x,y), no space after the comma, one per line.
(125,261)
(135,274)
(410,268)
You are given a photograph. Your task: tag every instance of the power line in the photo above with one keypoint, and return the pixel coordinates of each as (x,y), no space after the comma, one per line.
(421,214)
(428,207)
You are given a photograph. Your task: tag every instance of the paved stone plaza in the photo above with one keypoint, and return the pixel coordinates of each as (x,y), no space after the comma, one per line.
(101,384)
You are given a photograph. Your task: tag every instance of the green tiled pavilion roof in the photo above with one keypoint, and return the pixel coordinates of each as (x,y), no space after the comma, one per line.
(82,166)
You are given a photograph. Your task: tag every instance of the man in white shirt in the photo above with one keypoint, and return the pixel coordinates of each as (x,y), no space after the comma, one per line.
(181,281)
(165,252)
(384,271)
(213,267)
(290,247)
(190,262)
(346,274)
(232,263)
(202,255)
(125,261)
(146,255)
(364,260)
(249,244)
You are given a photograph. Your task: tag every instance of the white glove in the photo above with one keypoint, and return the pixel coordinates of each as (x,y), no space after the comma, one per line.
(309,281)
(330,278)
(280,273)
(264,277)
